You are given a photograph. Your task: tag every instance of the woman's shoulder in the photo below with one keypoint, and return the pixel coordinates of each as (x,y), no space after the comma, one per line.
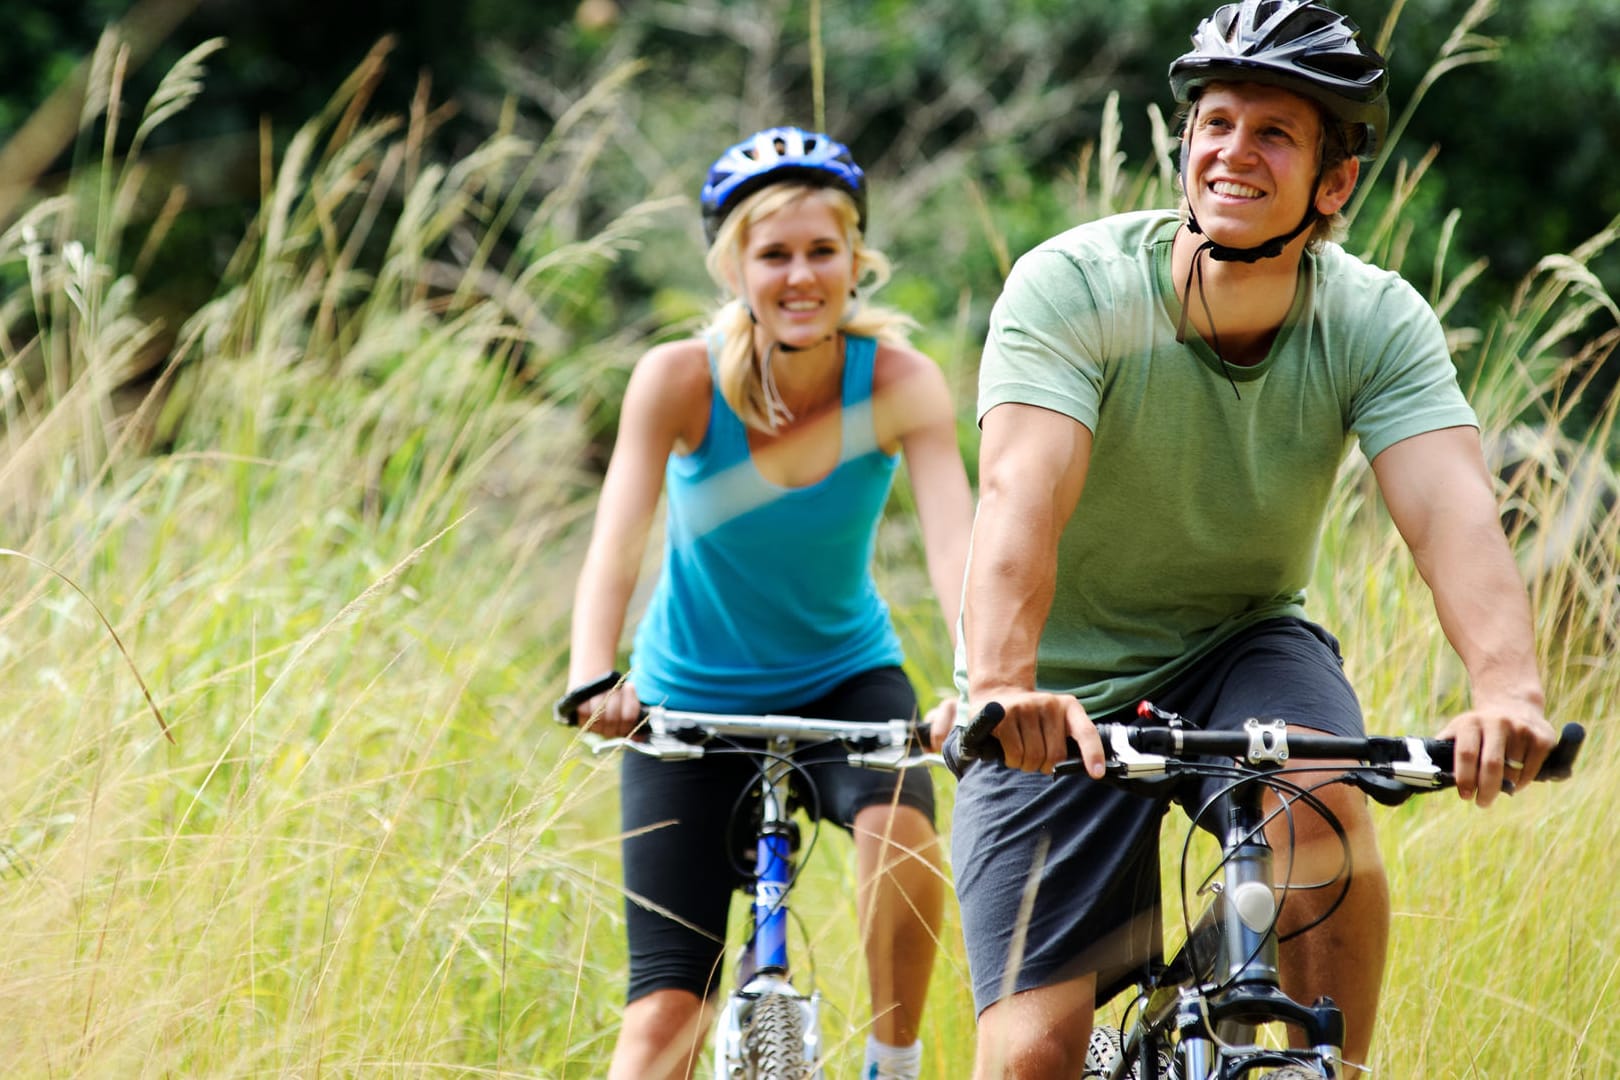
(670,391)
(909,393)
(896,362)
(679,355)
(676,366)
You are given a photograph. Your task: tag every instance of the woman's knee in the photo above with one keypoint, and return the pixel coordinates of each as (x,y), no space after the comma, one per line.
(664,1015)
(901,827)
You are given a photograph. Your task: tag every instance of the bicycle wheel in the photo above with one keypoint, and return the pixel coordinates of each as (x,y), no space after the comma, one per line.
(1107,1050)
(775,1043)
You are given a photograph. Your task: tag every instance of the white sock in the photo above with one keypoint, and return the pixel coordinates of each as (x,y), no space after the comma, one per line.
(885,1062)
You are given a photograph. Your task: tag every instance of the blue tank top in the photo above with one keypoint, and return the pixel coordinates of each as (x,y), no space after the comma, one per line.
(766,598)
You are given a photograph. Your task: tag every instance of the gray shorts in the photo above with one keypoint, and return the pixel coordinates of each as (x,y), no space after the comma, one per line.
(1095,848)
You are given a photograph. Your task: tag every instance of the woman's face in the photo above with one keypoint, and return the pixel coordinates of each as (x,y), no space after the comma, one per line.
(797,273)
(1252,156)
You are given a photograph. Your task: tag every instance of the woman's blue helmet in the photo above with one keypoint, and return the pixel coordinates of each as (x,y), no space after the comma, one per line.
(771,157)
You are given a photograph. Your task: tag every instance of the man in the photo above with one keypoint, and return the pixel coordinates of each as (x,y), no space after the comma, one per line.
(1165,401)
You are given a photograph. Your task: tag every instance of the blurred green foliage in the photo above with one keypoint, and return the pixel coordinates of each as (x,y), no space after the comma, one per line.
(980,121)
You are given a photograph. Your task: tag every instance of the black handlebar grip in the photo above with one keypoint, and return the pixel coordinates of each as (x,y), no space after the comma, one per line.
(566,710)
(973,741)
(979,737)
(1560,761)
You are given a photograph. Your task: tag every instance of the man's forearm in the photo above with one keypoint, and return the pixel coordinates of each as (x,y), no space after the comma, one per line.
(1485,613)
(1010,581)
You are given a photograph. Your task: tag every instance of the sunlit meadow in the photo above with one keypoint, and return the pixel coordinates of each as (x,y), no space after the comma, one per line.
(281,619)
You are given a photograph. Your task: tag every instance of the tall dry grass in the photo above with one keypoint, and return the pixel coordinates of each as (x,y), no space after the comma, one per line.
(342,578)
(335,533)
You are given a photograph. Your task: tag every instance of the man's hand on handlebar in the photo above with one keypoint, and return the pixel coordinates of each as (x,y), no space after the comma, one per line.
(1502,739)
(1035,731)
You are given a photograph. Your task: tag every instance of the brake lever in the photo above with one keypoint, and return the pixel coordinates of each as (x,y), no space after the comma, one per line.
(1123,761)
(894,759)
(660,746)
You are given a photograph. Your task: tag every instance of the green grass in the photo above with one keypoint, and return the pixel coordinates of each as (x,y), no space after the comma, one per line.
(336,530)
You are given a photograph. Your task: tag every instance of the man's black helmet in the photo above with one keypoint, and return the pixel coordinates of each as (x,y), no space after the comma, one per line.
(1298,45)
(773,156)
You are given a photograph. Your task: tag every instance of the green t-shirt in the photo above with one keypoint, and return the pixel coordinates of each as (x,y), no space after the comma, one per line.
(1202,507)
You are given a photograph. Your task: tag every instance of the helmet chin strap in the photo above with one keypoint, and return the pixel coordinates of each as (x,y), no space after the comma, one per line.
(776,408)
(785,347)
(1222,253)
(1268,250)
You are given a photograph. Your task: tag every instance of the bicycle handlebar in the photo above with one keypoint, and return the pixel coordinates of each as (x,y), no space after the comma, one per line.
(676,733)
(1150,752)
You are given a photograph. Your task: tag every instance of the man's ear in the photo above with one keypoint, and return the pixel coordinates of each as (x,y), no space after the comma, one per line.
(1337,186)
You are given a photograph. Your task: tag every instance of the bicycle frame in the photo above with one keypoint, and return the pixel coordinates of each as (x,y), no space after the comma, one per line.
(1205,1004)
(1215,1003)
(764,968)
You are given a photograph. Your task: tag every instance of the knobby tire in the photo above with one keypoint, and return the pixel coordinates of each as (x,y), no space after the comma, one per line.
(775,1044)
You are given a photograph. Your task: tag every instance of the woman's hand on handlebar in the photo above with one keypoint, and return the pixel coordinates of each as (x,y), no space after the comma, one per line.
(940,719)
(1035,731)
(613,714)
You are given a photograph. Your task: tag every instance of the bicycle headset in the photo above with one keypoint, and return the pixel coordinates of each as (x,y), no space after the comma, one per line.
(1297,45)
(775,155)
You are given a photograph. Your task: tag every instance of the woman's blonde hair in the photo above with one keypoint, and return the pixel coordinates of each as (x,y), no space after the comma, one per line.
(741,368)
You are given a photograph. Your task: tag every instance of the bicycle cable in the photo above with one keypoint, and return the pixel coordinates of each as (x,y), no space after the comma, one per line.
(1288,793)
(762,757)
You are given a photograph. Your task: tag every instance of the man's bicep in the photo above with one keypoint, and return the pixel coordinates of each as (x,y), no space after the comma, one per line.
(1431,480)
(1031,455)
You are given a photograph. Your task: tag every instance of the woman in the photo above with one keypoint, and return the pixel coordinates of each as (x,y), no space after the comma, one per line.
(777,434)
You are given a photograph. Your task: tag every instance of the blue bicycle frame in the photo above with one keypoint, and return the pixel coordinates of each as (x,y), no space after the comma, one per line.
(764,970)
(774,864)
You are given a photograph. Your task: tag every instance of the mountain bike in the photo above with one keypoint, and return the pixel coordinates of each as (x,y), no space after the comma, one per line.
(769,1027)
(1198,1016)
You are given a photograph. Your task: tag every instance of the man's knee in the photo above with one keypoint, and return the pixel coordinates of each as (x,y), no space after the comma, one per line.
(893,821)
(1037,1033)
(1314,840)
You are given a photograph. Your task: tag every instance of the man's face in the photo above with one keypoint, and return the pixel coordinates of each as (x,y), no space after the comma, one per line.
(1252,156)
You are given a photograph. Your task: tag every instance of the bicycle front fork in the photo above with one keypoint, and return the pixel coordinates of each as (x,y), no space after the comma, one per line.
(768,1021)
